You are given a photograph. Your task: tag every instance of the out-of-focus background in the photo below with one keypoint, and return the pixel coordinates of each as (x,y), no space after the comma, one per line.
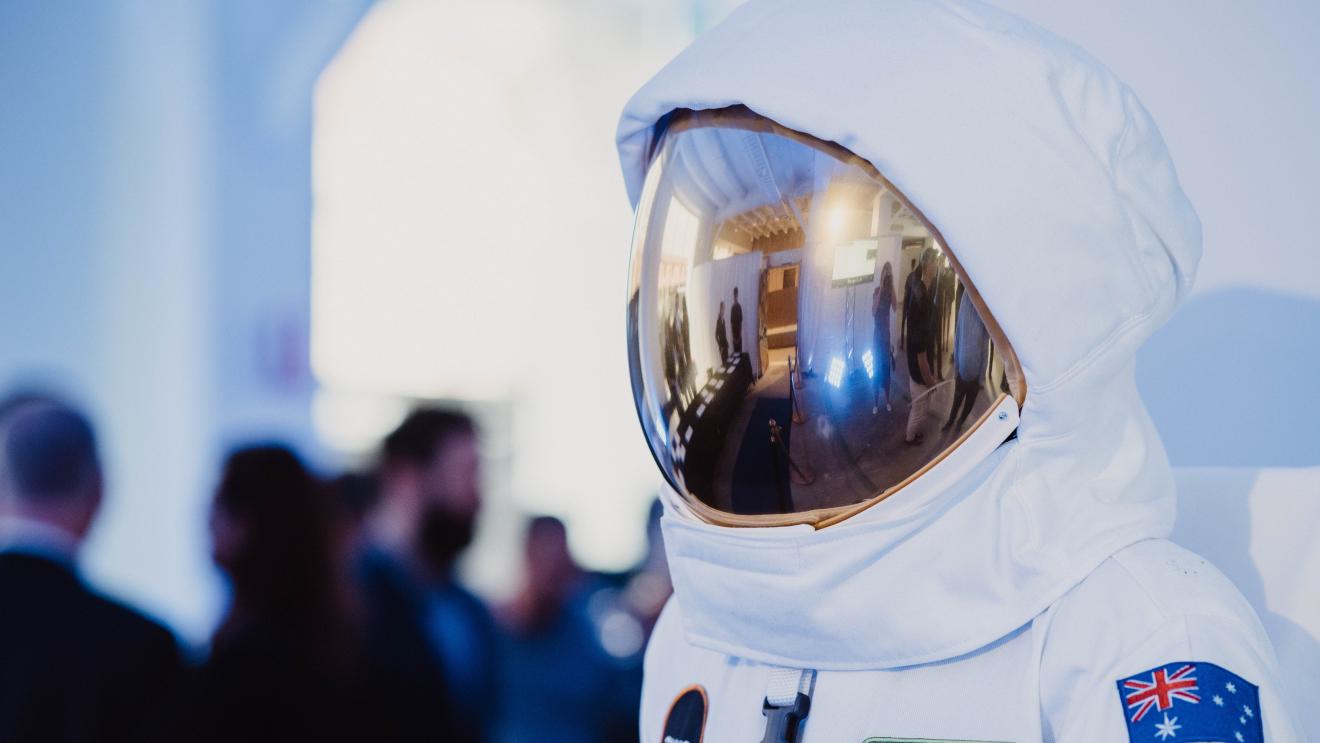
(227,220)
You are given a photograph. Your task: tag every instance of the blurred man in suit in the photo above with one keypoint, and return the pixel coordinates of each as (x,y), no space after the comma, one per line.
(74,666)
(431,642)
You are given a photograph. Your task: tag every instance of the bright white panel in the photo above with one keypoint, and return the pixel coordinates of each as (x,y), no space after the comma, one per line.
(471,234)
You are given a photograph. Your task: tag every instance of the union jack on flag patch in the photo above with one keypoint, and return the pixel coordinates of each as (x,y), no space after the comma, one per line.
(1160,690)
(1191,701)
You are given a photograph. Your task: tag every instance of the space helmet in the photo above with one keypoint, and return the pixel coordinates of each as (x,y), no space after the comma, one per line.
(803,342)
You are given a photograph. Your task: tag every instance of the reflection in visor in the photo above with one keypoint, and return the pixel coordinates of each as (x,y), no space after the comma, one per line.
(799,339)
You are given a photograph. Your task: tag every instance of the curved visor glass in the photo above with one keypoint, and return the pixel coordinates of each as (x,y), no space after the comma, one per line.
(800,340)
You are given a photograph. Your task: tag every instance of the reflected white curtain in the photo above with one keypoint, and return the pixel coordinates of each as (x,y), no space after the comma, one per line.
(817,270)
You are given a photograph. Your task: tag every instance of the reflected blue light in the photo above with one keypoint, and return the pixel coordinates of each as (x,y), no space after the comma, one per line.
(835,375)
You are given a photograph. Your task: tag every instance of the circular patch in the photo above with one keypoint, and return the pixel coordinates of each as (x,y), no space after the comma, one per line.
(686,721)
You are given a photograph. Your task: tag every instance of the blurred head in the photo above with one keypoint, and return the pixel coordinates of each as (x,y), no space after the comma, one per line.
(551,570)
(272,532)
(735,294)
(929,265)
(49,468)
(431,481)
(655,538)
(354,495)
(887,276)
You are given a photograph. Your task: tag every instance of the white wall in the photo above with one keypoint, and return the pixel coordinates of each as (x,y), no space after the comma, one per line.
(1232,379)
(106,296)
(154,252)
(472,236)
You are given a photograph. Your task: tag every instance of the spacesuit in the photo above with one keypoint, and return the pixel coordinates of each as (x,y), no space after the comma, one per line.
(833,581)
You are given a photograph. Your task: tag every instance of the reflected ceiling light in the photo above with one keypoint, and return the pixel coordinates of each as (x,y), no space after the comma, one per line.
(835,375)
(837,219)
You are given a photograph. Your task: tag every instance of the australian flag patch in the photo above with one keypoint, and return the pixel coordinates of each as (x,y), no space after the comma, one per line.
(1191,701)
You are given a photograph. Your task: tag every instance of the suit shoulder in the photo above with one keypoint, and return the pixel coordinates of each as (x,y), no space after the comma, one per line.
(1180,583)
(1150,589)
(1151,606)
(128,625)
(1151,582)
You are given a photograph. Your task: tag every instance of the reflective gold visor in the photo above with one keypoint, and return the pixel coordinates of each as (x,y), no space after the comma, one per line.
(801,340)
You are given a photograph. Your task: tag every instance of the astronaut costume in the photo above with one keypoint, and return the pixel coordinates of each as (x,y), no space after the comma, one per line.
(835,577)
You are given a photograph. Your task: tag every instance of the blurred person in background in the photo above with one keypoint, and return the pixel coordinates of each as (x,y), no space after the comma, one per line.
(945,291)
(649,586)
(354,495)
(431,642)
(559,683)
(283,661)
(882,306)
(971,351)
(735,322)
(919,315)
(74,665)
(721,337)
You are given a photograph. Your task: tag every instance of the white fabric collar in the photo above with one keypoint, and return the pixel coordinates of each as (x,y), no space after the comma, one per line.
(962,557)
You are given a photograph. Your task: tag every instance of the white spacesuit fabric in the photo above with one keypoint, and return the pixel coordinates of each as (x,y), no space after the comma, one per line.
(1151,605)
(1023,591)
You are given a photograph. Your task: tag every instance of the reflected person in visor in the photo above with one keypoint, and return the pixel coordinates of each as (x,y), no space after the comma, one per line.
(962,539)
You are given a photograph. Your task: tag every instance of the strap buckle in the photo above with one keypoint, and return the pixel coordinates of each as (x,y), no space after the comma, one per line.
(783,723)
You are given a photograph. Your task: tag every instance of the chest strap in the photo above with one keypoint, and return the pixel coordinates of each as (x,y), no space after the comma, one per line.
(787,703)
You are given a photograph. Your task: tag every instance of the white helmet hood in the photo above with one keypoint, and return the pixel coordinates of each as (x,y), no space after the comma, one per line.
(1052,185)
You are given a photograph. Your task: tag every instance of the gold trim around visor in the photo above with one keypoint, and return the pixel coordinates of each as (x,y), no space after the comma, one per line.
(742,117)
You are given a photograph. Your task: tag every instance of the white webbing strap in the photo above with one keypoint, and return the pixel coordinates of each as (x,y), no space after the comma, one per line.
(786,683)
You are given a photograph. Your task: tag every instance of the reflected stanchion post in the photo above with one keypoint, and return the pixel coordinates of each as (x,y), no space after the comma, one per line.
(780,492)
(798,415)
(799,475)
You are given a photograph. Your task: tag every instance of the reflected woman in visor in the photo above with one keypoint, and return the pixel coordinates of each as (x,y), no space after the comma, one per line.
(882,306)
